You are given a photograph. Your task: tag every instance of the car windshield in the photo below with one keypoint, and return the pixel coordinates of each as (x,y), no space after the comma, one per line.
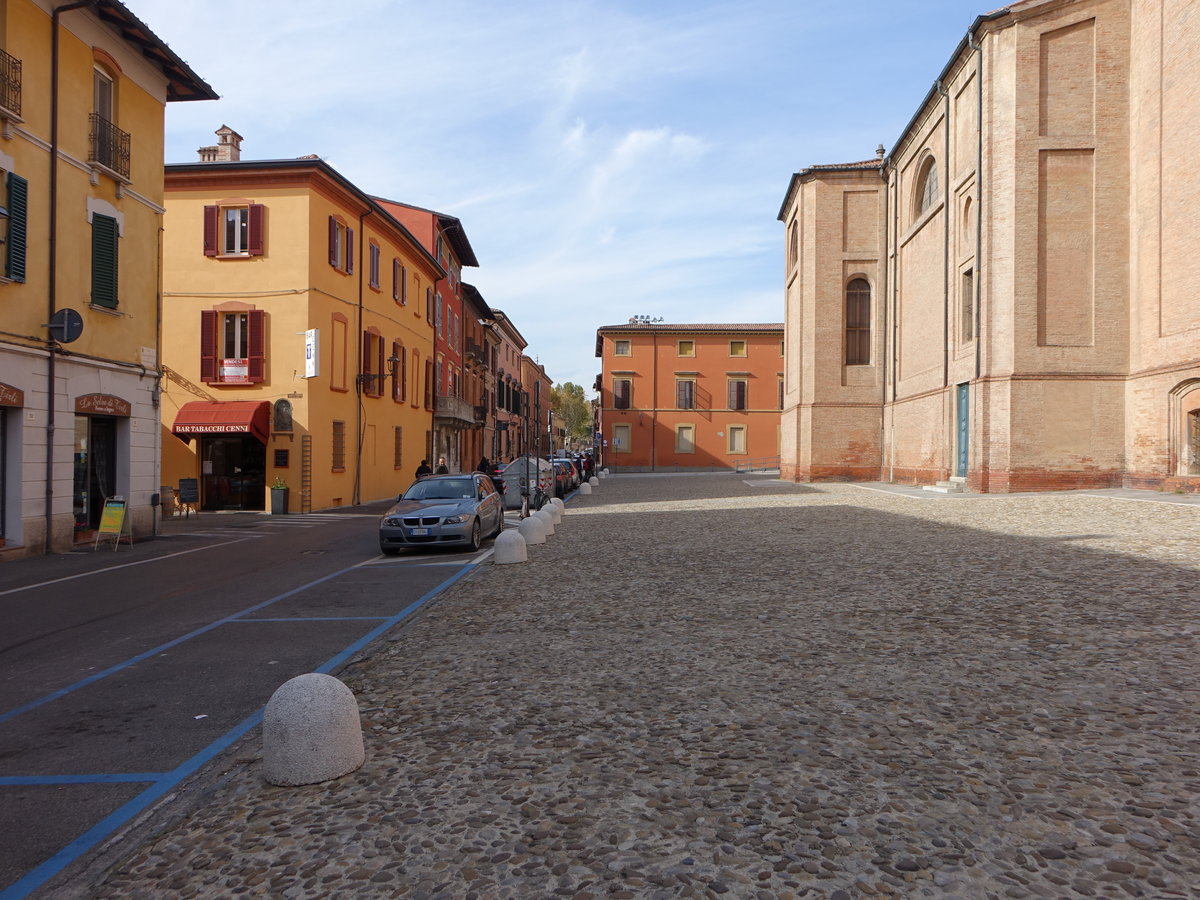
(441,489)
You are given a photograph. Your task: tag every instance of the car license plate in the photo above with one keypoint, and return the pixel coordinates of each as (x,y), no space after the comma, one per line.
(418,532)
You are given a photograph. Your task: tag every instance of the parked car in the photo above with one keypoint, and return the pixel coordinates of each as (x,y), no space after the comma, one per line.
(443,510)
(568,475)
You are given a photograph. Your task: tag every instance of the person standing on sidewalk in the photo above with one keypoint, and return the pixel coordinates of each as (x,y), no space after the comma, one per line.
(423,469)
(442,468)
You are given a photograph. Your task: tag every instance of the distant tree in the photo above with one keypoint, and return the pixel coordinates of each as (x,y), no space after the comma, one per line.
(568,401)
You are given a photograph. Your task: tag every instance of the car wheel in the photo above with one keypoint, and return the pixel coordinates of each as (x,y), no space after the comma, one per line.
(474,545)
(499,524)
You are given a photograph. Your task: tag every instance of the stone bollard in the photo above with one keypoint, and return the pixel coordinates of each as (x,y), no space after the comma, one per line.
(509,547)
(554,511)
(311,731)
(560,506)
(605,472)
(585,489)
(594,481)
(532,530)
(547,518)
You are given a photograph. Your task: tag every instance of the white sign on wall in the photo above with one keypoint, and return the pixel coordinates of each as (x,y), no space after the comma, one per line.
(312,353)
(235,371)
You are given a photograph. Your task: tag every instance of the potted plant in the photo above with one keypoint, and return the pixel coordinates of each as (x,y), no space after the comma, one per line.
(279,497)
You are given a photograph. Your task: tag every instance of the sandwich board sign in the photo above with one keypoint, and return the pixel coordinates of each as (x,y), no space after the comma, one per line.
(112,522)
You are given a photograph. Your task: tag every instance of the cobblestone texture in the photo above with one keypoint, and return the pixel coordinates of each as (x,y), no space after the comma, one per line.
(702,688)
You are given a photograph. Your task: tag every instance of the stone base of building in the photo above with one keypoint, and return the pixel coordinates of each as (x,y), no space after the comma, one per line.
(1177,484)
(828,473)
(1013,481)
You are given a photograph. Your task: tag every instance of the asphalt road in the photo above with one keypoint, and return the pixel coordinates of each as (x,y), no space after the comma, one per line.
(123,672)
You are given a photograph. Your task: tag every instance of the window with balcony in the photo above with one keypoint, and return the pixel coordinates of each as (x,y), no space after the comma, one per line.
(10,84)
(232,346)
(234,229)
(108,144)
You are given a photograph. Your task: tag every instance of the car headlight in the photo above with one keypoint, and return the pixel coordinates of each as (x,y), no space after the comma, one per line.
(390,521)
(455,520)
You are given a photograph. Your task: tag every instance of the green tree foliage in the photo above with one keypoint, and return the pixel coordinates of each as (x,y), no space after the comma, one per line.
(569,402)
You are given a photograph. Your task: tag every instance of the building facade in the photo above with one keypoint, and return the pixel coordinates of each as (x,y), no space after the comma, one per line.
(509,391)
(478,377)
(454,412)
(689,396)
(82,95)
(297,336)
(1008,297)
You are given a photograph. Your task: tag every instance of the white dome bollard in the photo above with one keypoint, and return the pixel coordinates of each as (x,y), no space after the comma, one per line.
(558,504)
(311,731)
(554,511)
(585,488)
(547,518)
(509,547)
(594,481)
(532,530)
(605,472)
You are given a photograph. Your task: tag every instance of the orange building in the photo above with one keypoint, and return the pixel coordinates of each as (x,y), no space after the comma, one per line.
(689,396)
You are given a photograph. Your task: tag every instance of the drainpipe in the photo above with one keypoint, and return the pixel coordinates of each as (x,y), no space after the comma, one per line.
(894,186)
(52,263)
(883,305)
(358,379)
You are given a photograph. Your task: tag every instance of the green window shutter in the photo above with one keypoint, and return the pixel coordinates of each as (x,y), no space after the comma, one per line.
(104,261)
(18,208)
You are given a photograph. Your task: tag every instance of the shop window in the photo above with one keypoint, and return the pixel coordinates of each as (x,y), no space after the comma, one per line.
(234,229)
(105,235)
(232,346)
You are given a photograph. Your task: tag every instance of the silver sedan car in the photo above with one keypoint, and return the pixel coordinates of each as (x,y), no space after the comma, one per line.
(441,511)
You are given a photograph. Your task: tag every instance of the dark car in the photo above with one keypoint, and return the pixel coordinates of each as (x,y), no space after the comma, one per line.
(443,510)
(568,467)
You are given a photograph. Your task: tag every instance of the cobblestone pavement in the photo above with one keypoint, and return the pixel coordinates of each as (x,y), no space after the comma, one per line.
(701,687)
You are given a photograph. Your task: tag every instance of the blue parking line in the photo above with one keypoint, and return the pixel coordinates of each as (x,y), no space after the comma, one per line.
(103,778)
(318,619)
(39,875)
(133,660)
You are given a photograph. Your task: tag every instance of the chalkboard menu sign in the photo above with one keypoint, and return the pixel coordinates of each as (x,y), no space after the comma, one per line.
(189,490)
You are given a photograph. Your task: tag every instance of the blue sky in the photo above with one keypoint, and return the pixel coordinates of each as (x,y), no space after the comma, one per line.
(608,158)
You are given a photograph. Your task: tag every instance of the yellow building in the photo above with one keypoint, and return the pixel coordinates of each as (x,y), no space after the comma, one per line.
(84,86)
(297,327)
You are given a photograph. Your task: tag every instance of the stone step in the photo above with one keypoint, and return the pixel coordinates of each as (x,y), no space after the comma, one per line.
(946,487)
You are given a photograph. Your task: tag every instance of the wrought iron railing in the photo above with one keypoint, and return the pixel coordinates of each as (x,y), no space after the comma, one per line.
(10,83)
(762,464)
(109,145)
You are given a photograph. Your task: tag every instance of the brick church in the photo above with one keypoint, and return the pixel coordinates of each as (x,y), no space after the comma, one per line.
(1009,298)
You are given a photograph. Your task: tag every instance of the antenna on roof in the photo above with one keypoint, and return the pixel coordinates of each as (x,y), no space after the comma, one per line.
(644,320)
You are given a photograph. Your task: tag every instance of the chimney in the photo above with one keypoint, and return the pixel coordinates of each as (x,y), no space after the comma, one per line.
(227,149)
(879,152)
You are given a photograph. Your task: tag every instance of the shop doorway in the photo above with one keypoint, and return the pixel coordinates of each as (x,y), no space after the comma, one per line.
(95,468)
(233,473)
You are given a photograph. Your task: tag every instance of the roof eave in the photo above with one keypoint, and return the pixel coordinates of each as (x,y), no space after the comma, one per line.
(183,84)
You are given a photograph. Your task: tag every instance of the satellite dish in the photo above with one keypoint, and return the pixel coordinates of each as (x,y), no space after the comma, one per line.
(66,325)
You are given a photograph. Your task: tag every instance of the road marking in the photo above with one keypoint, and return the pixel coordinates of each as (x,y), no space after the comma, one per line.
(140,562)
(317,619)
(42,873)
(133,660)
(107,778)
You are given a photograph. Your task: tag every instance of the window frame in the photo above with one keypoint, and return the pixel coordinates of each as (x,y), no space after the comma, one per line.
(856,343)
(745,348)
(16,218)
(627,429)
(626,344)
(341,245)
(742,403)
(337,461)
(730,431)
(690,428)
(213,345)
(106,262)
(927,190)
(679,351)
(680,392)
(617,393)
(373,265)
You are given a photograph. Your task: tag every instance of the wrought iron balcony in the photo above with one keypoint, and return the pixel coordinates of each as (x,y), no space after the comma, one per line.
(109,146)
(10,84)
(455,408)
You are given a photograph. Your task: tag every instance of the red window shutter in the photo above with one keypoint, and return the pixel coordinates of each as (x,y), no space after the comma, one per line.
(349,251)
(404,286)
(379,366)
(333,242)
(365,366)
(255,216)
(256,326)
(208,345)
(211,218)
(395,279)
(429,384)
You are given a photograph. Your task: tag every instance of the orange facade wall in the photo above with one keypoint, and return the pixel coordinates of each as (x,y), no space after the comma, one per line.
(657,431)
